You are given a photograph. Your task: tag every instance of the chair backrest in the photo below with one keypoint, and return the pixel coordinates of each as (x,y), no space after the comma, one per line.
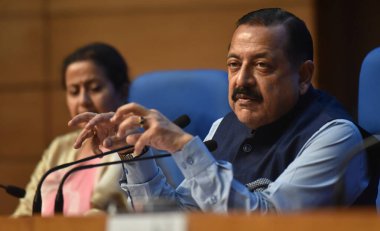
(201,94)
(369,101)
(369,92)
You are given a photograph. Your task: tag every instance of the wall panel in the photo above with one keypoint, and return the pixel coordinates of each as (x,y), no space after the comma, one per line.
(35,35)
(22,125)
(9,176)
(59,114)
(21,56)
(161,5)
(20,7)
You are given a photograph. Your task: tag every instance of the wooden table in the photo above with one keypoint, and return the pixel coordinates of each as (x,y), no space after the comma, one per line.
(335,220)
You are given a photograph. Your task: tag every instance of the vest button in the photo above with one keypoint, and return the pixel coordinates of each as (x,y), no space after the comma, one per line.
(184,165)
(247,148)
(213,200)
(190,160)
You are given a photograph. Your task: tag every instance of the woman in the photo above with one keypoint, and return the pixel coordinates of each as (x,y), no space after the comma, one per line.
(95,78)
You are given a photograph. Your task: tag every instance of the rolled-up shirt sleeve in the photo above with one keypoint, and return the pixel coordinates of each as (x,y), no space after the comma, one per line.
(211,182)
(208,184)
(308,182)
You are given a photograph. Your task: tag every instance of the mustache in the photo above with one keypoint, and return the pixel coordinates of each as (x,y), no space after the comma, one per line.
(253,93)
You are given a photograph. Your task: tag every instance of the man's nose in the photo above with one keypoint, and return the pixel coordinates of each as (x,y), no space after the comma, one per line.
(246,76)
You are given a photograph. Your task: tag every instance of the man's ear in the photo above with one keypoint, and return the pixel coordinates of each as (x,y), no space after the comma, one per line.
(306,71)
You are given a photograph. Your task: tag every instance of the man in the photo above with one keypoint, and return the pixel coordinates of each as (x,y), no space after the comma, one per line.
(281,148)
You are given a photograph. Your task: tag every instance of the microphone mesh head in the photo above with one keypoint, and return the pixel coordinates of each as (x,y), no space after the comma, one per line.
(15,191)
(211,145)
(258,185)
(182,121)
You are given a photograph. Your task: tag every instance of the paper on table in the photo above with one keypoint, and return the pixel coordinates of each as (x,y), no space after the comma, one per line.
(148,222)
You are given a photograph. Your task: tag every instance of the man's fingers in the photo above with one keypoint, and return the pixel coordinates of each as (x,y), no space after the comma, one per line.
(114,142)
(129,125)
(140,140)
(99,118)
(83,135)
(95,145)
(129,109)
(81,118)
(132,139)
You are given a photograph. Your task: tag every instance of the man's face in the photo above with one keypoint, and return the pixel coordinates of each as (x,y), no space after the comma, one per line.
(263,85)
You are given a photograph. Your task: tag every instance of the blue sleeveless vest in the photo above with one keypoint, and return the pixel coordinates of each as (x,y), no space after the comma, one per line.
(267,151)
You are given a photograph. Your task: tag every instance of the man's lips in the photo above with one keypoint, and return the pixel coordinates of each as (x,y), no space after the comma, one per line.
(246,94)
(244,97)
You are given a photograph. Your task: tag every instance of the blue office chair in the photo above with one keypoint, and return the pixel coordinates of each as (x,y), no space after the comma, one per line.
(369,93)
(369,97)
(201,94)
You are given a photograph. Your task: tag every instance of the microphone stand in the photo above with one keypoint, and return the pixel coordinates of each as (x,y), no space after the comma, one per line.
(37,202)
(182,121)
(59,200)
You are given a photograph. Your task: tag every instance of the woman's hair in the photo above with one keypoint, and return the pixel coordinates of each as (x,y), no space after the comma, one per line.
(104,56)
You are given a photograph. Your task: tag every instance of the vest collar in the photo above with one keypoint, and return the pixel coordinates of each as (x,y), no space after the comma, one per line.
(272,131)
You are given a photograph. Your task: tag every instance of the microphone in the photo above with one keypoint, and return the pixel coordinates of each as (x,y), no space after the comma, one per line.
(371,144)
(59,200)
(181,121)
(14,190)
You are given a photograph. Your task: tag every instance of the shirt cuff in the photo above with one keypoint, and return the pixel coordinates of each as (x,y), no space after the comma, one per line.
(193,158)
(149,189)
(141,171)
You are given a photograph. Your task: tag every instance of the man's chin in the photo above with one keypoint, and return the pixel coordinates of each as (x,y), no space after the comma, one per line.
(248,118)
